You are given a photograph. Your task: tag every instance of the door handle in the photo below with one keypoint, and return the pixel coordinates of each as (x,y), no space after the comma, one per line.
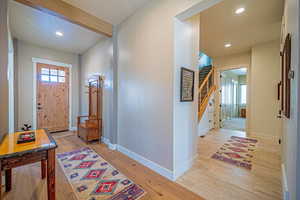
(39,108)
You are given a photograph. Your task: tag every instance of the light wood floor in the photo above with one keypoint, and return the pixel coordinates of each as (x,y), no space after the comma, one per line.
(217,180)
(27,184)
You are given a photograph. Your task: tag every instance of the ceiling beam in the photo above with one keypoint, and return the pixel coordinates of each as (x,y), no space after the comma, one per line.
(72,14)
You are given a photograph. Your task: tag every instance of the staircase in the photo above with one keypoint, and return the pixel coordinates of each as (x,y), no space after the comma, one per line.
(206,88)
(203,73)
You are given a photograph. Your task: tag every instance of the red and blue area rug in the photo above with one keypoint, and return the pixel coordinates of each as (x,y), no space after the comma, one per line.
(93,178)
(237,151)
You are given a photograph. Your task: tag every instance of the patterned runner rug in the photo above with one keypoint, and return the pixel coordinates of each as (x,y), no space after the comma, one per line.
(93,178)
(237,151)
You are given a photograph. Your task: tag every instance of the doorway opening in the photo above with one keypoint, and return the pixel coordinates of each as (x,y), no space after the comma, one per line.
(233,107)
(238,79)
(52,95)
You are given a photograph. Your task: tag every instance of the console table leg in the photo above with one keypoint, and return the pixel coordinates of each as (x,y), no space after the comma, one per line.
(43,168)
(51,174)
(8,174)
(0,185)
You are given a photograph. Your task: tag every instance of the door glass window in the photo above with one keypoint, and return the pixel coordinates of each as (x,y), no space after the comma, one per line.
(53,75)
(61,79)
(45,71)
(45,78)
(53,72)
(53,79)
(61,73)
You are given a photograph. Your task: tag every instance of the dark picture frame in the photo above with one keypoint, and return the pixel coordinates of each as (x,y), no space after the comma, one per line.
(286,77)
(187,83)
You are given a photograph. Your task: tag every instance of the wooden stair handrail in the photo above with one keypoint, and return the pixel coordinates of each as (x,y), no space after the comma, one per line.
(210,89)
(204,104)
(206,79)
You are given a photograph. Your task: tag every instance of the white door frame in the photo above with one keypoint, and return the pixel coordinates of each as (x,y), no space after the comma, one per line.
(218,72)
(11,106)
(49,62)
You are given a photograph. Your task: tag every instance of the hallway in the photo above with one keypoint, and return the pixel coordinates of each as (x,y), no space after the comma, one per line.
(217,180)
(156,186)
(238,124)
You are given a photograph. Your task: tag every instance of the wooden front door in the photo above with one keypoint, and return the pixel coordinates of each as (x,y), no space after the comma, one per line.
(52,97)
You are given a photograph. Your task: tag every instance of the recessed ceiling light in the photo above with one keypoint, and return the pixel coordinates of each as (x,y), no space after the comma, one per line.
(58,33)
(240,10)
(227,45)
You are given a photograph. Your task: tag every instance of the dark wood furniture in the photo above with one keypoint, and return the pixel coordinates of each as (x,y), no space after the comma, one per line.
(287,74)
(243,113)
(90,127)
(15,155)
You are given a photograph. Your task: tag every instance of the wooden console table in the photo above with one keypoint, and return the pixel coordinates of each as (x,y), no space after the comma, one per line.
(41,150)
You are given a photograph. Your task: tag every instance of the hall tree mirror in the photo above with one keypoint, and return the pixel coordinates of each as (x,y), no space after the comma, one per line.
(90,127)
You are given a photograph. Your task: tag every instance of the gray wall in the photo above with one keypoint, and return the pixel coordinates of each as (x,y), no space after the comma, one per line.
(264,77)
(11,83)
(145,91)
(25,53)
(148,86)
(99,60)
(3,69)
(16,84)
(291,136)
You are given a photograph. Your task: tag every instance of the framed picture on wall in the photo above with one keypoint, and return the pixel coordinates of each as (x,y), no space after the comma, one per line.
(286,76)
(187,85)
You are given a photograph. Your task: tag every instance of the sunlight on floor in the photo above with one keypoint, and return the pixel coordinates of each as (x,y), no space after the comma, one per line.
(214,179)
(235,124)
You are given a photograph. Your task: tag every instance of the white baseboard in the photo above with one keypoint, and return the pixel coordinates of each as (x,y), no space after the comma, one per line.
(148,163)
(74,128)
(285,190)
(107,142)
(112,146)
(183,167)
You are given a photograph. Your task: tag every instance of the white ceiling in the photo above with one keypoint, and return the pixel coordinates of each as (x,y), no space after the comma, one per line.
(260,23)
(38,28)
(112,11)
(239,72)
